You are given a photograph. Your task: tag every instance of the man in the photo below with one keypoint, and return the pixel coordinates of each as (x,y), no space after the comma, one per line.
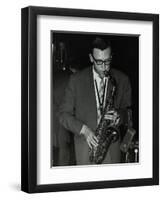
(61,137)
(63,140)
(80,111)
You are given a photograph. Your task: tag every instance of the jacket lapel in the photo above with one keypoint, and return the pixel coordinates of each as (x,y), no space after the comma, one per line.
(108,94)
(92,97)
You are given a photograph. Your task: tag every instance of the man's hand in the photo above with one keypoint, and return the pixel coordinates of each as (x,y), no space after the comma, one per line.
(113,116)
(90,137)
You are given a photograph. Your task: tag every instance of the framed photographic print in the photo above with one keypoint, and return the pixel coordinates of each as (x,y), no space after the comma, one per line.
(90,99)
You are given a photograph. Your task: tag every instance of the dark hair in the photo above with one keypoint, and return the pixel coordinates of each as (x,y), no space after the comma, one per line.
(101,43)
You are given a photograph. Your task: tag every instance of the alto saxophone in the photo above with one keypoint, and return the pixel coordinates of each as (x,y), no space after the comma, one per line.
(106,132)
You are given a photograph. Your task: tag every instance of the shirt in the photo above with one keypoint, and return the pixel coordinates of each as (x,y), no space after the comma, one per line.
(97,79)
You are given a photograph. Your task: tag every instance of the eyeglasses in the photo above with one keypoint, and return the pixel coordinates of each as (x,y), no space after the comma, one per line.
(100,62)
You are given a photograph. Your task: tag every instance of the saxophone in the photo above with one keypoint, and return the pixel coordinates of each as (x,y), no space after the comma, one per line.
(106,133)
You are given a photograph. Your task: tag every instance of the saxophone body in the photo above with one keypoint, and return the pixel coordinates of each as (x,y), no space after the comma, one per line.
(106,132)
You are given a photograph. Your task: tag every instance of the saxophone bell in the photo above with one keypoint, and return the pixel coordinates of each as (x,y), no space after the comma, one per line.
(113,133)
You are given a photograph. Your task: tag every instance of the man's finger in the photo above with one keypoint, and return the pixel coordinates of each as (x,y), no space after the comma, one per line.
(110,112)
(110,117)
(117,121)
(89,144)
(94,143)
(95,138)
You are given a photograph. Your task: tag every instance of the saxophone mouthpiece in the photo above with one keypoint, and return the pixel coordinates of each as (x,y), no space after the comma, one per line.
(106,73)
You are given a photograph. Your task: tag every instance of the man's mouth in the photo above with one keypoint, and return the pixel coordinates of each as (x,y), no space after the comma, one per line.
(106,73)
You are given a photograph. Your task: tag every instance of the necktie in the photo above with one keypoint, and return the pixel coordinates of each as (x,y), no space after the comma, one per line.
(101,96)
(101,91)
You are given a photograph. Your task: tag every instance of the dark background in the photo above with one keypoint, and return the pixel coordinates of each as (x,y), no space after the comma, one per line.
(77,46)
(71,50)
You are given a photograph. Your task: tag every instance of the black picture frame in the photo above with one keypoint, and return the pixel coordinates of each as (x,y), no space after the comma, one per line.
(29,98)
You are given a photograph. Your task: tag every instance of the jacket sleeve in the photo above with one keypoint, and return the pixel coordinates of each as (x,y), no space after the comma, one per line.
(67,109)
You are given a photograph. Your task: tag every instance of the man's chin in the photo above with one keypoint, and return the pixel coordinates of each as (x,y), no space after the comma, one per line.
(102,75)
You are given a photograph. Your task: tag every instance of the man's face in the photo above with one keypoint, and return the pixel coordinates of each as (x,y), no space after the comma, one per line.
(101,60)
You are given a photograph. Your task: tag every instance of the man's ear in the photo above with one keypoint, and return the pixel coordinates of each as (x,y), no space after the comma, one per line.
(91,58)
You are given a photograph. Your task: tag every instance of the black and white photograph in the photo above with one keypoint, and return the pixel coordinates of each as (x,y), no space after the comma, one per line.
(90,88)
(94,98)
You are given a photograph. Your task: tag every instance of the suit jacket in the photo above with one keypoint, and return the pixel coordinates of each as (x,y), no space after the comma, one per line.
(60,134)
(79,107)
(63,140)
